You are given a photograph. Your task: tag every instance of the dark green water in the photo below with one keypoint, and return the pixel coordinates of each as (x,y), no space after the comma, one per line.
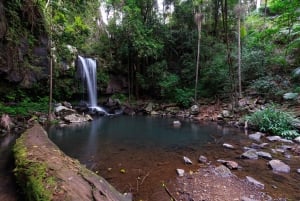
(137,131)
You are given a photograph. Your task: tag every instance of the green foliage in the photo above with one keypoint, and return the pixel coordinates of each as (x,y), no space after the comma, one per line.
(297,90)
(168,85)
(184,96)
(214,74)
(274,121)
(25,107)
(270,86)
(254,64)
(121,97)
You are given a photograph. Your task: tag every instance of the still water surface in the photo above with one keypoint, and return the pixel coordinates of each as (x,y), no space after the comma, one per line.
(149,150)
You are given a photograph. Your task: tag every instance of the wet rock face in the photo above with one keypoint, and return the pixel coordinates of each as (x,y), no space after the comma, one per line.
(24,57)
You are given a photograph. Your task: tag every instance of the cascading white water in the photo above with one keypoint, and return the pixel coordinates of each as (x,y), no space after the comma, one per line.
(89,73)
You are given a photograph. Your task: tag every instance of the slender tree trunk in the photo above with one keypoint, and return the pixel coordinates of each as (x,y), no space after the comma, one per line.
(265,11)
(128,76)
(198,19)
(216,17)
(51,66)
(239,12)
(232,78)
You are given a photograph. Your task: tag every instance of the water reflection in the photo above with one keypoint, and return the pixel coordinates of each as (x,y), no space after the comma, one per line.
(92,138)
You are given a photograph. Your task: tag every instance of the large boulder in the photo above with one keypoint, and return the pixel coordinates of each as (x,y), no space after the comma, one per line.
(77,118)
(149,108)
(195,110)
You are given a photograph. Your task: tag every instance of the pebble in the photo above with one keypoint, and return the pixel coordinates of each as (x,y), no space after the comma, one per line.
(202,159)
(180,172)
(187,160)
(255,182)
(229,146)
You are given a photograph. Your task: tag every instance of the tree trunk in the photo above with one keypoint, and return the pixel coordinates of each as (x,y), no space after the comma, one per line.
(198,19)
(265,15)
(239,49)
(51,66)
(216,17)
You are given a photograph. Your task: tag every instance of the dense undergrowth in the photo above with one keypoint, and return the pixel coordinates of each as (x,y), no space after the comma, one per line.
(25,107)
(275,122)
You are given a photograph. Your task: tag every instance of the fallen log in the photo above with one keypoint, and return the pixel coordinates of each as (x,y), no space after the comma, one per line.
(45,173)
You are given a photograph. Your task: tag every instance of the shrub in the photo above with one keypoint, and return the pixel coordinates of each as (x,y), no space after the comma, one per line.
(184,97)
(274,121)
(25,107)
(271,86)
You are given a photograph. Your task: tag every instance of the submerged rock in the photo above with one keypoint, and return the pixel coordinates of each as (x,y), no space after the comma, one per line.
(250,154)
(265,155)
(187,160)
(202,159)
(180,172)
(229,146)
(279,166)
(176,123)
(256,136)
(255,182)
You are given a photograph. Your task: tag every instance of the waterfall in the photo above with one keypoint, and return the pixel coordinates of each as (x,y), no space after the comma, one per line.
(258,2)
(88,74)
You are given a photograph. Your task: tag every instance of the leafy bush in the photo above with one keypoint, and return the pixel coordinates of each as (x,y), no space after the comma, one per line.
(274,121)
(184,96)
(271,86)
(121,97)
(25,107)
(168,84)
